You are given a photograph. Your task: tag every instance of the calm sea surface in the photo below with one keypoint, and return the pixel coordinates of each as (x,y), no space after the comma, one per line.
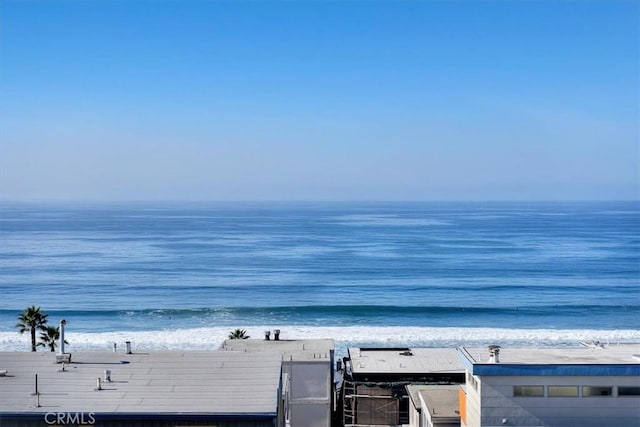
(184,275)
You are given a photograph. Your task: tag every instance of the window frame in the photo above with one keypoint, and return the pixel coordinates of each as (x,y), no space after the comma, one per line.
(528,387)
(563,387)
(602,387)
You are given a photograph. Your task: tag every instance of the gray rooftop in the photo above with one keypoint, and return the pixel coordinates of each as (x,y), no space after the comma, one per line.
(393,361)
(159,382)
(617,354)
(298,350)
(441,400)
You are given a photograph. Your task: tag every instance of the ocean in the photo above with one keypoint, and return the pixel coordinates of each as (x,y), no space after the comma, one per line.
(183,275)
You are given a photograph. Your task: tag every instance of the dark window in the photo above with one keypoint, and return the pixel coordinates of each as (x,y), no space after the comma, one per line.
(591,391)
(628,391)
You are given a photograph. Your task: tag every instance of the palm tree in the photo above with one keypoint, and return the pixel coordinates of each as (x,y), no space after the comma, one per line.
(50,336)
(30,320)
(238,334)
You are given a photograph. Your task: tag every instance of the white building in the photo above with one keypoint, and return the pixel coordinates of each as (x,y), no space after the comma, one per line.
(586,386)
(434,405)
(307,377)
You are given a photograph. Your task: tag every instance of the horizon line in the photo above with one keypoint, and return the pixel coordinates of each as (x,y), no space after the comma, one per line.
(312,201)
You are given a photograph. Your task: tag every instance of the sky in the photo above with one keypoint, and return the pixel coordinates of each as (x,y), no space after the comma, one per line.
(319,100)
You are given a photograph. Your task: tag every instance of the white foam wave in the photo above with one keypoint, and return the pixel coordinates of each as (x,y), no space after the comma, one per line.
(388,220)
(348,336)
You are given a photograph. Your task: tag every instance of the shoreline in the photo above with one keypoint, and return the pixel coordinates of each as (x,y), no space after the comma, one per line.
(210,338)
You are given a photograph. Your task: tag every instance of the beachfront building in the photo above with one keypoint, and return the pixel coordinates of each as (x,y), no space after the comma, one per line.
(433,405)
(308,390)
(374,384)
(170,388)
(596,385)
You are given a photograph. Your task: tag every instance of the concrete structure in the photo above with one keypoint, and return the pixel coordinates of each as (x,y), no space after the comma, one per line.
(433,405)
(374,392)
(308,398)
(62,356)
(584,386)
(141,389)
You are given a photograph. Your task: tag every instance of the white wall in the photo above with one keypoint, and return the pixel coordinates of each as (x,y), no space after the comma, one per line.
(310,392)
(414,415)
(498,404)
(474,389)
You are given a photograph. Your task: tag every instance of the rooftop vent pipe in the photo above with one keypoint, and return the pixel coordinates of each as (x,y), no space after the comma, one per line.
(267,335)
(494,352)
(61,328)
(128,345)
(276,334)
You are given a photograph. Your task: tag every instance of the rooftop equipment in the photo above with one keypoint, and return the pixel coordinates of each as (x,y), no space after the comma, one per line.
(494,352)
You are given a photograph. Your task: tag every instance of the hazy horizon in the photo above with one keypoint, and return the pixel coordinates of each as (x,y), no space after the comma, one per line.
(88,201)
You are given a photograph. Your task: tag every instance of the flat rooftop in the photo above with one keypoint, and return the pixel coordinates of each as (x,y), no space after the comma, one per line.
(167,382)
(404,361)
(441,401)
(298,350)
(612,354)
(592,360)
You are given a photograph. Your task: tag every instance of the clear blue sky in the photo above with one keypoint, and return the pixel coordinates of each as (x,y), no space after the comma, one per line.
(319,100)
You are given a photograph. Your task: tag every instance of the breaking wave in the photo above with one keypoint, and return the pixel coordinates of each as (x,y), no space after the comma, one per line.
(347,310)
(210,338)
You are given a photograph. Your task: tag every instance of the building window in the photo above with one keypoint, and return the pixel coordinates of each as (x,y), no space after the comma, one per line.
(528,391)
(590,391)
(628,391)
(562,391)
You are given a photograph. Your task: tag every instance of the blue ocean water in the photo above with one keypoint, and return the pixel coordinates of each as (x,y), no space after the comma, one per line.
(184,274)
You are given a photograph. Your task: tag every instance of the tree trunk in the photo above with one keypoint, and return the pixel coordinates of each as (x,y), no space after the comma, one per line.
(33,338)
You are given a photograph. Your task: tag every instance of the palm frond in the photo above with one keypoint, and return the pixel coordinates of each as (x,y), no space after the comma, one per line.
(238,334)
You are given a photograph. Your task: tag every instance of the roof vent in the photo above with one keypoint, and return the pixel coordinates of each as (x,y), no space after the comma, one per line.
(267,335)
(494,352)
(61,335)
(406,353)
(61,355)
(276,334)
